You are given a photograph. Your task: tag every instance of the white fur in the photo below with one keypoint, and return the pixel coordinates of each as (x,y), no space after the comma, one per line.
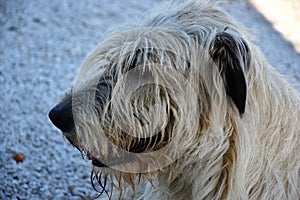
(223,155)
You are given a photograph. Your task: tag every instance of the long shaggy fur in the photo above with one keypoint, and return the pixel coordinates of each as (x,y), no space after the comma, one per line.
(189,79)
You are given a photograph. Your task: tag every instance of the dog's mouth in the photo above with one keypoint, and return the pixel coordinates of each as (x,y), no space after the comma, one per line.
(116,161)
(95,161)
(98,163)
(143,146)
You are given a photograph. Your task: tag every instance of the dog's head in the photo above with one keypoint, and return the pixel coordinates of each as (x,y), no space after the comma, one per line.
(144,98)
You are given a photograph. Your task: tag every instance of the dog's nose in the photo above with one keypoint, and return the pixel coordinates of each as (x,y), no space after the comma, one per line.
(62,117)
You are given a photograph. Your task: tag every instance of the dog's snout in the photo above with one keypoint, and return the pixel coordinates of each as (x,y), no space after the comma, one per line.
(62,117)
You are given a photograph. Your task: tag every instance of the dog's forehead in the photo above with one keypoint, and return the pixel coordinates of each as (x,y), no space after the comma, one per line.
(120,52)
(92,68)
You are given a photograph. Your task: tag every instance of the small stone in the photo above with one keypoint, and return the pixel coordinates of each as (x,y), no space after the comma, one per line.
(19,157)
(13,28)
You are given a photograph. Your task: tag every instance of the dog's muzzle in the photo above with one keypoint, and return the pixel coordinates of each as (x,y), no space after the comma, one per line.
(62,117)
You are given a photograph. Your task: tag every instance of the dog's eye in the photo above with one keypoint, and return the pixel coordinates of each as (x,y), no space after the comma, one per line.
(133,60)
(103,92)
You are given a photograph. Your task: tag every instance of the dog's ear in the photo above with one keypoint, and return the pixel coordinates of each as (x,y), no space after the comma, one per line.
(231,54)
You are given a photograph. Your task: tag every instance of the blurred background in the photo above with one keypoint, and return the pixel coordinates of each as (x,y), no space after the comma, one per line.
(43,43)
(284,16)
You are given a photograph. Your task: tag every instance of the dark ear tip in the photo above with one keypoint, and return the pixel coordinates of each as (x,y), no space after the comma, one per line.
(242,110)
(240,103)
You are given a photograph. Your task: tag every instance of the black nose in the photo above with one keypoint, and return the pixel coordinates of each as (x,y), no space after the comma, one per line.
(62,117)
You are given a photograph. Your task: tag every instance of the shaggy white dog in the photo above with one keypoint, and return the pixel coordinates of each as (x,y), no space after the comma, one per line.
(183,105)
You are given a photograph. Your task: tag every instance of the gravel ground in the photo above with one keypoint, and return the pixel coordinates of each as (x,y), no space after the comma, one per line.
(42,45)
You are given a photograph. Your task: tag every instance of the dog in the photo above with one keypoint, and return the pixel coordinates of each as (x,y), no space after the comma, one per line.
(184,105)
